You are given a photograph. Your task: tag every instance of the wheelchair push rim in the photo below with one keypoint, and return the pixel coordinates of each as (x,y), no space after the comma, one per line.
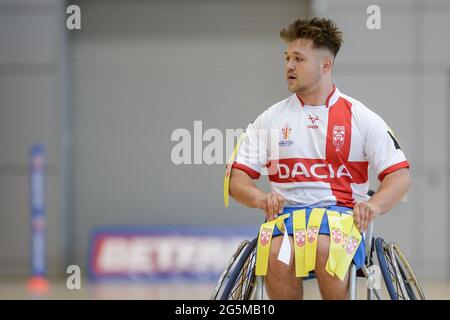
(238,278)
(224,277)
(398,275)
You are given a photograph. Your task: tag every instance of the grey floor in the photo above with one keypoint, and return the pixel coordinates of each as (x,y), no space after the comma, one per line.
(16,289)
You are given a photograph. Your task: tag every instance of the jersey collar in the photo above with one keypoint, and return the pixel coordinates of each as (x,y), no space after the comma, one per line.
(331,99)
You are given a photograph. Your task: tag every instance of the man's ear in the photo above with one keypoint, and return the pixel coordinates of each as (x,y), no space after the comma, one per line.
(327,64)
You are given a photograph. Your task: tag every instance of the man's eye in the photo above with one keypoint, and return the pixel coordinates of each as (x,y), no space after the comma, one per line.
(286,59)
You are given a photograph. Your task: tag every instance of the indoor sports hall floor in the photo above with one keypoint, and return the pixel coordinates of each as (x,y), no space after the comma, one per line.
(16,289)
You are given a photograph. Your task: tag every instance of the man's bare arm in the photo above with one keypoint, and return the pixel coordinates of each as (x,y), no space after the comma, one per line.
(244,191)
(392,189)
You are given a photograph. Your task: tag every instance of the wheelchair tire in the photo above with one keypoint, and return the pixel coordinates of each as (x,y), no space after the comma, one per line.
(413,287)
(224,277)
(398,275)
(241,281)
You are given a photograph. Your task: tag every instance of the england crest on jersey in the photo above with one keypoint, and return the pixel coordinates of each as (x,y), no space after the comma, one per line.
(338,137)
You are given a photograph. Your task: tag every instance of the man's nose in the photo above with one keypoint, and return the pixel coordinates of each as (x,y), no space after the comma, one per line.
(290,65)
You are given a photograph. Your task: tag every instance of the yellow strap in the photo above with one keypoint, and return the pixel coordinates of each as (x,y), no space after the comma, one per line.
(279,222)
(346,223)
(314,222)
(226,179)
(334,221)
(264,241)
(350,249)
(263,250)
(344,240)
(299,230)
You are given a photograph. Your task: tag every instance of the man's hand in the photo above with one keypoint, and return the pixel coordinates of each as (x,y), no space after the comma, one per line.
(272,204)
(363,213)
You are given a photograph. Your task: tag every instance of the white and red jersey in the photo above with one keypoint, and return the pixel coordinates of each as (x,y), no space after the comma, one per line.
(319,155)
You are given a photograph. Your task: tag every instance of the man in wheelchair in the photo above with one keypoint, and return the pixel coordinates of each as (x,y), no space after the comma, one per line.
(316,147)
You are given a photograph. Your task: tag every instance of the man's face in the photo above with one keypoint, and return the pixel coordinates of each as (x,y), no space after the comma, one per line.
(303,65)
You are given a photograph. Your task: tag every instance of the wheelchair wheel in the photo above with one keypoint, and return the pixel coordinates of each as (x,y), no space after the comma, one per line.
(237,281)
(225,276)
(398,275)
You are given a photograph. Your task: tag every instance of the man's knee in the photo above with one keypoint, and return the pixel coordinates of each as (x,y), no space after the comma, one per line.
(279,275)
(275,265)
(281,282)
(331,287)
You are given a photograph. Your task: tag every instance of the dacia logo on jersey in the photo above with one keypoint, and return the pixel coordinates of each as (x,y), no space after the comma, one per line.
(309,170)
(338,137)
(285,132)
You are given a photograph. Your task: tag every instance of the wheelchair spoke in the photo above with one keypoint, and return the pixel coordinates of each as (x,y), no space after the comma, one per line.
(241,289)
(226,274)
(243,284)
(399,277)
(413,284)
(237,280)
(393,276)
(242,279)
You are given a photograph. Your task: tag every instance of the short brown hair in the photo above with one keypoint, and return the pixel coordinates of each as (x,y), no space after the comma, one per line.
(323,32)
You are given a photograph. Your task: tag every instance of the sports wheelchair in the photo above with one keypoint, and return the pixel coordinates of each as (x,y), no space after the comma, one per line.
(239,282)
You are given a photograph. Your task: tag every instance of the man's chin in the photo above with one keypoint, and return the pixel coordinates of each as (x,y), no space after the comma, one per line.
(292,89)
(298,89)
(295,89)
